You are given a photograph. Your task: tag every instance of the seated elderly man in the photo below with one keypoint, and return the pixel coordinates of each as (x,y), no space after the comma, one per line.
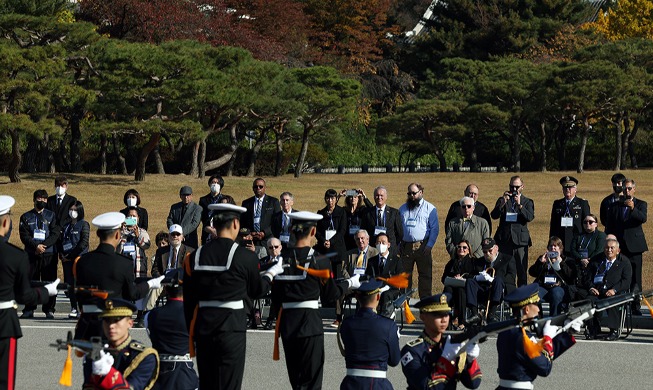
(469,227)
(274,255)
(496,277)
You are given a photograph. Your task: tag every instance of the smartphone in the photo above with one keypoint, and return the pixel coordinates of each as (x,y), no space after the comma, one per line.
(351,193)
(553,255)
(130,221)
(247,242)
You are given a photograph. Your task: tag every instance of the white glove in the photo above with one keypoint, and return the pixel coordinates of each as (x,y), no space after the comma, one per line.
(384,289)
(473,350)
(481,276)
(354,282)
(488,278)
(575,324)
(103,365)
(550,330)
(52,287)
(155,282)
(275,270)
(450,349)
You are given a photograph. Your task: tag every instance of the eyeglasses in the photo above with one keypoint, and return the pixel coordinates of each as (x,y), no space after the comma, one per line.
(515,187)
(589,222)
(629,188)
(467,206)
(413,193)
(462,247)
(257,186)
(273,247)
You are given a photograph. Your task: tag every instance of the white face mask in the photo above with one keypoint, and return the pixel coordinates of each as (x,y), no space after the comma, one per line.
(382,248)
(60,190)
(73,214)
(131,202)
(215,188)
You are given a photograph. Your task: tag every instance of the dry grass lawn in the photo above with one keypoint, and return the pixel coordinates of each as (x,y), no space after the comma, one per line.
(105,193)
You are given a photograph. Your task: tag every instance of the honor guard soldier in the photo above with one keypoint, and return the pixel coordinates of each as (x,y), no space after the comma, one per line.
(568,214)
(127,364)
(167,329)
(218,277)
(522,358)
(14,288)
(108,272)
(371,342)
(433,361)
(305,280)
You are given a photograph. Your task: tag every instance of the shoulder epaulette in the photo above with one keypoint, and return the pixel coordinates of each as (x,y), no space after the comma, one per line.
(415,342)
(137,346)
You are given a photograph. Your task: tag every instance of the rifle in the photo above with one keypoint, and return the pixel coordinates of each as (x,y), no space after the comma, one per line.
(90,347)
(89,292)
(60,286)
(399,302)
(479,334)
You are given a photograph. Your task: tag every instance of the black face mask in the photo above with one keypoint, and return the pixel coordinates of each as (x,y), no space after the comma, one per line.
(40,205)
(618,189)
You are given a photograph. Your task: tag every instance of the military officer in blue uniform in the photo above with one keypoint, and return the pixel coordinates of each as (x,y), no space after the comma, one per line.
(434,362)
(167,329)
(128,364)
(522,357)
(371,342)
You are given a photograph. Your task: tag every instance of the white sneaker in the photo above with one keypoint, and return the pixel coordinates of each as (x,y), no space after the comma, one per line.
(73,314)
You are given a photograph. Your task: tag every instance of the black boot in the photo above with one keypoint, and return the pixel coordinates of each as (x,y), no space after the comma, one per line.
(475,318)
(492,314)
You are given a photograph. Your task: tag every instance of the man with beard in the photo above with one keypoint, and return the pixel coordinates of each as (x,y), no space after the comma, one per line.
(420,225)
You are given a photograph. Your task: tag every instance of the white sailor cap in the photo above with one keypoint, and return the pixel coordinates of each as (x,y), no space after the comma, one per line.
(6,203)
(109,221)
(223,207)
(304,216)
(176,229)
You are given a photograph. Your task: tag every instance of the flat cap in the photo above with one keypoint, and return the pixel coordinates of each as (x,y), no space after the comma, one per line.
(370,287)
(109,221)
(115,307)
(186,190)
(488,243)
(435,303)
(304,216)
(227,207)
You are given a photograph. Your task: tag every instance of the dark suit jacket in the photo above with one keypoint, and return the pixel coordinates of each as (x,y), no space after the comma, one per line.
(160,265)
(618,276)
(189,223)
(204,203)
(480,210)
(505,267)
(606,203)
(61,212)
(277,228)
(392,266)
(628,229)
(337,242)
(393,224)
(578,209)
(269,207)
(515,232)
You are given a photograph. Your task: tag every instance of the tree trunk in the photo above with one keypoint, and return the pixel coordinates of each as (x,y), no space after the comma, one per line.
(625,136)
(303,151)
(251,170)
(31,155)
(473,152)
(516,150)
(160,169)
(62,160)
(75,140)
(234,149)
(139,174)
(561,145)
(617,142)
(104,144)
(16,157)
(631,146)
(48,157)
(120,160)
(202,159)
(542,146)
(583,145)
(279,153)
(194,170)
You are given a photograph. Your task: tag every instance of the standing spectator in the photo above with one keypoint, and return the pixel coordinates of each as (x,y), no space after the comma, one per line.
(331,228)
(61,201)
(260,209)
(568,214)
(383,218)
(625,219)
(617,192)
(468,227)
(514,212)
(75,236)
(281,220)
(419,223)
(187,214)
(133,199)
(355,207)
(216,185)
(133,244)
(39,233)
(480,210)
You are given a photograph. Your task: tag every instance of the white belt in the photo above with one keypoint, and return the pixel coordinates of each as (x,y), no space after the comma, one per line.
(301,305)
(366,373)
(175,358)
(223,304)
(507,383)
(8,305)
(91,309)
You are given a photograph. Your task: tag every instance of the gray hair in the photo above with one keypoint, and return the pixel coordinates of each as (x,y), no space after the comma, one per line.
(464,198)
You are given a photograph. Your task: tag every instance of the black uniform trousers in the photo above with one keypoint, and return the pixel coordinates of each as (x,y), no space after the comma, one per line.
(43,268)
(305,361)
(8,349)
(176,375)
(221,360)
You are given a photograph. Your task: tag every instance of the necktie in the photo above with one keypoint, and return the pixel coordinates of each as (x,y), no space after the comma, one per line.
(381,263)
(379,217)
(359,262)
(58,202)
(173,262)
(183,212)
(608,264)
(626,212)
(257,215)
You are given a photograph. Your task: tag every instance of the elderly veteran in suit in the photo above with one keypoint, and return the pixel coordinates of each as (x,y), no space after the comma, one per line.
(469,227)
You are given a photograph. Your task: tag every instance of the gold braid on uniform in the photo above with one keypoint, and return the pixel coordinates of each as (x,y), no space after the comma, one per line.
(145,352)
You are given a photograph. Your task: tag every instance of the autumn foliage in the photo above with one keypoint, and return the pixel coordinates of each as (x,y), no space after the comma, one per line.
(629,19)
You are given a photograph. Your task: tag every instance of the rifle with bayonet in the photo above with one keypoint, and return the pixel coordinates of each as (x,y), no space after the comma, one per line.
(92,348)
(480,333)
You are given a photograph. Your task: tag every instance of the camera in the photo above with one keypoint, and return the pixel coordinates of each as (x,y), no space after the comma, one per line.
(247,242)
(553,254)
(353,193)
(623,198)
(514,193)
(130,221)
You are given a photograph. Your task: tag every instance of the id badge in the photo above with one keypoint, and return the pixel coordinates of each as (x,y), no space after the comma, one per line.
(511,217)
(411,222)
(67,246)
(583,253)
(39,234)
(353,229)
(379,229)
(550,280)
(329,234)
(566,222)
(129,248)
(257,220)
(284,238)
(598,279)
(359,271)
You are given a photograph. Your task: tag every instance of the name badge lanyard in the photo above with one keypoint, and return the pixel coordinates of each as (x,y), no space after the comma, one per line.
(600,275)
(416,212)
(582,240)
(331,222)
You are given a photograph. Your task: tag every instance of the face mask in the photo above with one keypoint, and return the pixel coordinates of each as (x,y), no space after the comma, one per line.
(60,191)
(215,188)
(73,214)
(617,189)
(40,205)
(131,202)
(382,248)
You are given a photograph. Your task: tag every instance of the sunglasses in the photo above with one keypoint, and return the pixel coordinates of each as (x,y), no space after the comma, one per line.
(589,222)
(629,188)
(175,234)
(515,187)
(273,247)
(412,193)
(467,206)
(462,247)
(257,186)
